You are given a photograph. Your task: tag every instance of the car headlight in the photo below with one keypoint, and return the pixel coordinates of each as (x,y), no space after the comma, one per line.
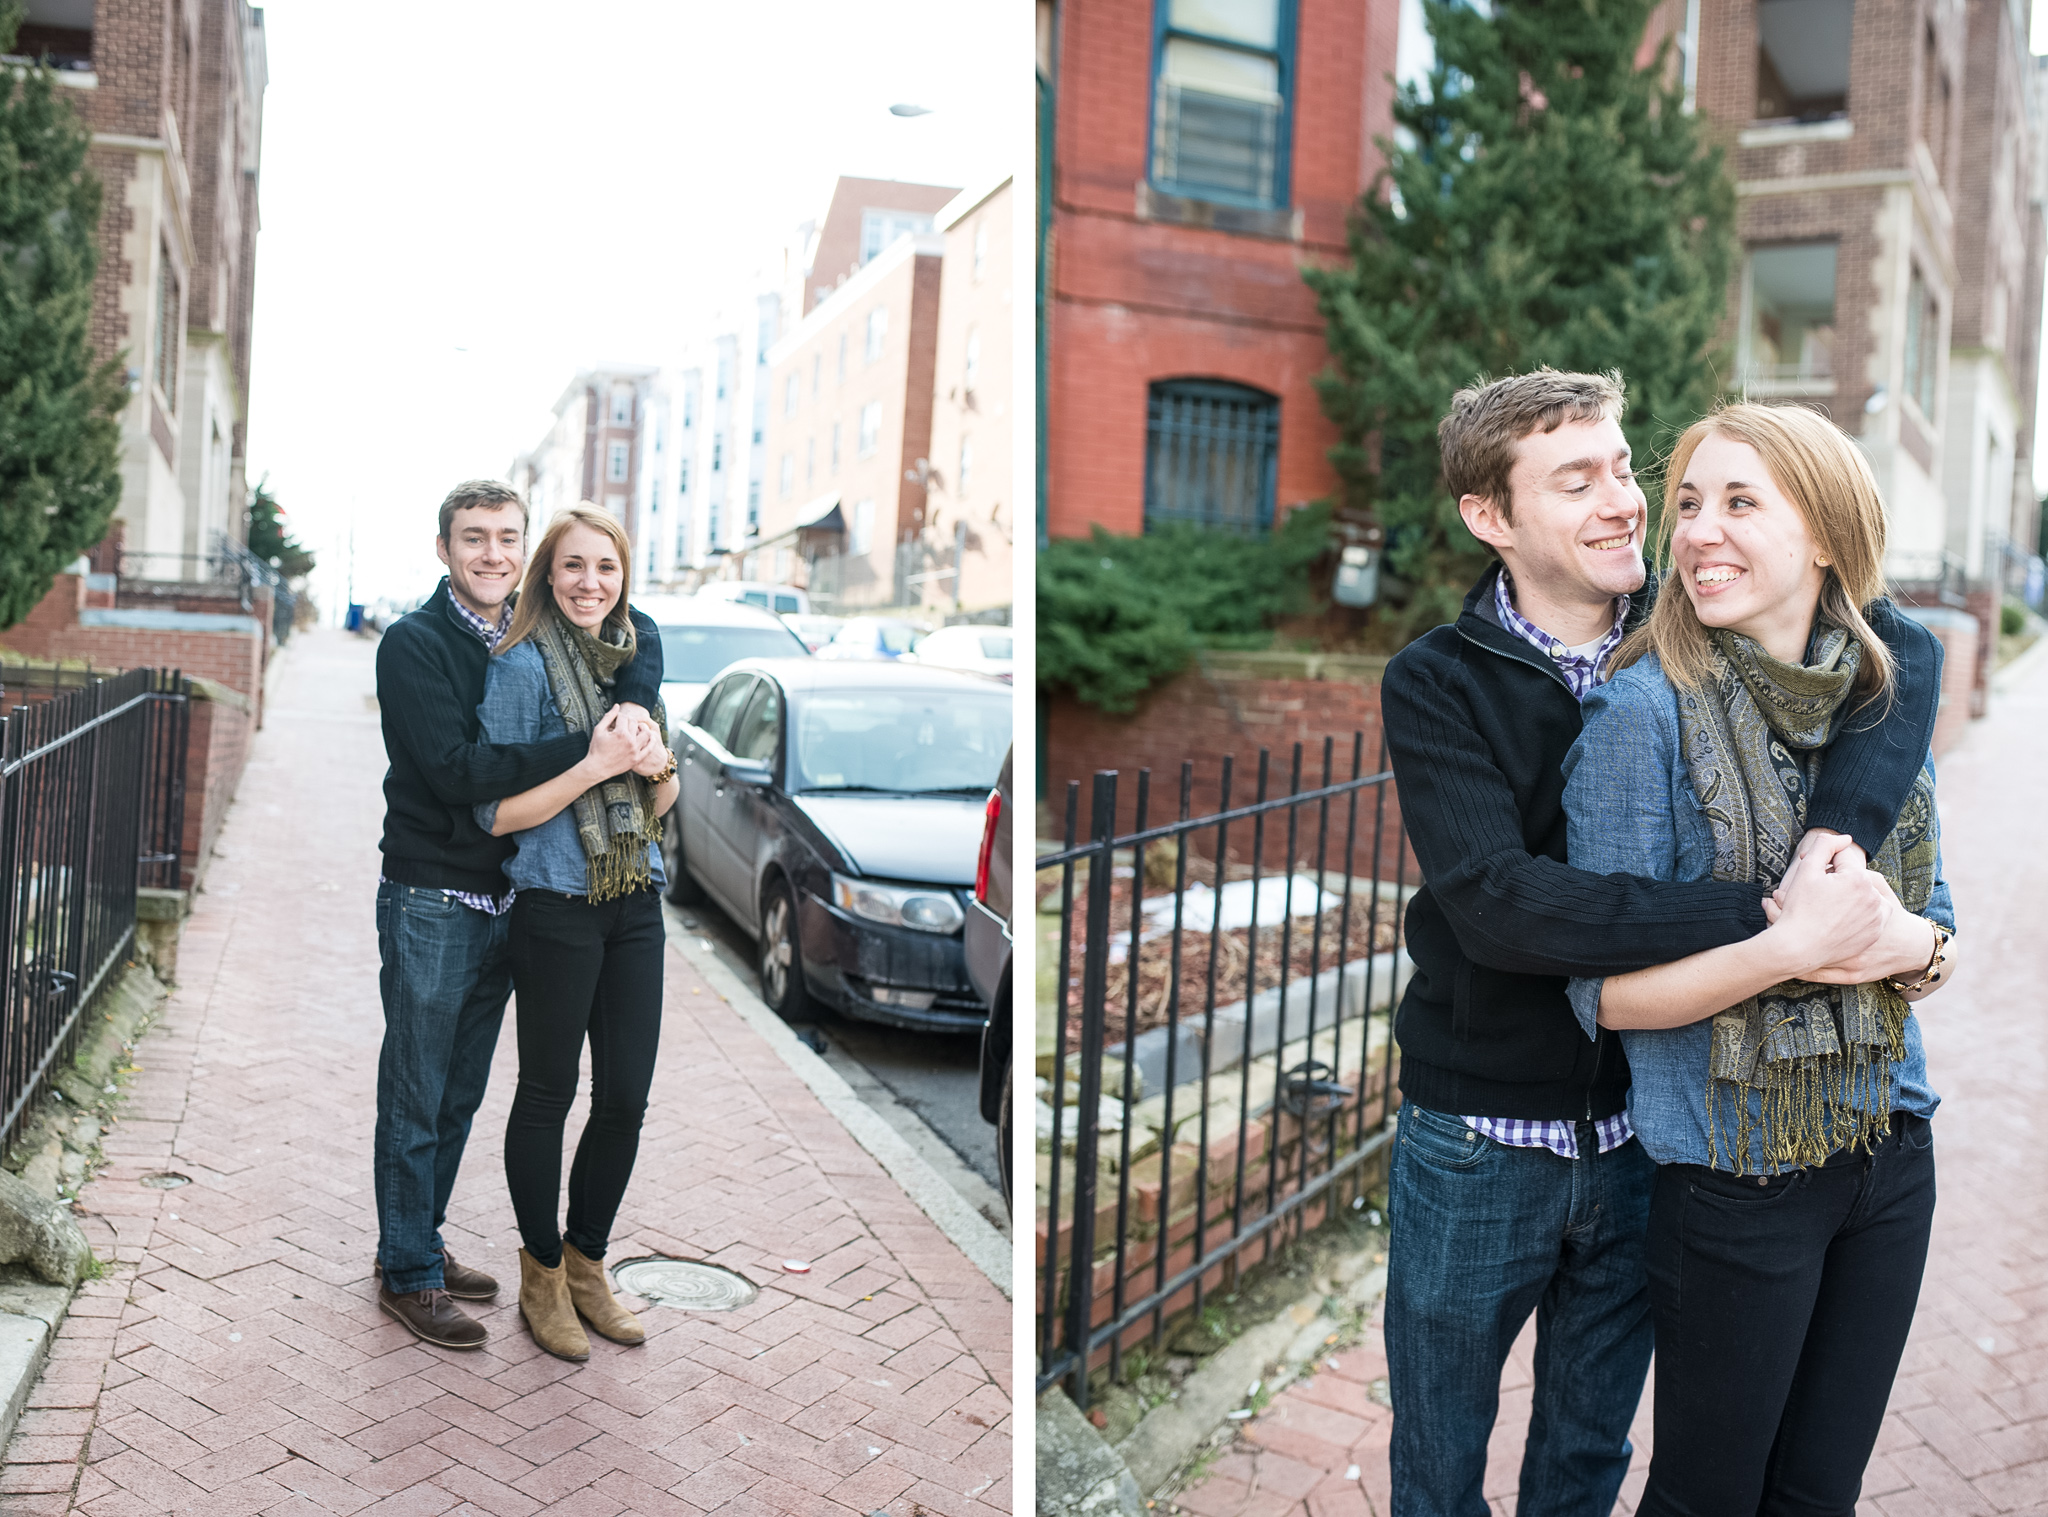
(923,908)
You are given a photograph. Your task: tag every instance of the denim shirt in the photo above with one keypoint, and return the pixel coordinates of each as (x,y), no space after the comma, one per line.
(1630,809)
(518,707)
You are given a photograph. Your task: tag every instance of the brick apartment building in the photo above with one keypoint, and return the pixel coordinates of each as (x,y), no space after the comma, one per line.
(972,512)
(591,451)
(1201,154)
(1888,160)
(172,92)
(850,416)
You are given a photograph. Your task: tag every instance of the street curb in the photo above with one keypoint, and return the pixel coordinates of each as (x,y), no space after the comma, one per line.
(970,1232)
(30,1313)
(1271,1353)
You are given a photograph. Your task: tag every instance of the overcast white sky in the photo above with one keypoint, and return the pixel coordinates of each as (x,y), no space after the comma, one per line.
(465,200)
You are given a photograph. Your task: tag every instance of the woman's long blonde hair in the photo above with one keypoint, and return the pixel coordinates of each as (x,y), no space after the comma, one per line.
(1825,475)
(537,590)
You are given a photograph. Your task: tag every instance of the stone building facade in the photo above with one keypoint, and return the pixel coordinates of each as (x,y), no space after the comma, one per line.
(172,92)
(1888,159)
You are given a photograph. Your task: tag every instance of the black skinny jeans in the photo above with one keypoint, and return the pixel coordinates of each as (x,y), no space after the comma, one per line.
(1781,1311)
(580,968)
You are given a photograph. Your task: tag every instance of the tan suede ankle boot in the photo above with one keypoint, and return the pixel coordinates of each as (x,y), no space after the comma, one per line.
(592,1293)
(550,1315)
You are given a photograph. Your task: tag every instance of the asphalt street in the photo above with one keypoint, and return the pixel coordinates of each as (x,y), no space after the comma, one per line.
(925,1085)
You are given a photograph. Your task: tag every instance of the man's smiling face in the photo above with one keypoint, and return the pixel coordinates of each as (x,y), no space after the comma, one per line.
(485,549)
(1575,533)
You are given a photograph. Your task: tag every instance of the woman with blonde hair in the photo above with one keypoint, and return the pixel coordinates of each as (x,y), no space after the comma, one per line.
(1786,1107)
(586,930)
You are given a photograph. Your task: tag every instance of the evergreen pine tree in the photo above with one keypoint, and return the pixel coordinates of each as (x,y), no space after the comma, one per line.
(1548,203)
(59,437)
(269,540)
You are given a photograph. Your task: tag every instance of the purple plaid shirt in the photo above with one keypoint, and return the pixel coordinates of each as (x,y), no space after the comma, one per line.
(492,635)
(1582,674)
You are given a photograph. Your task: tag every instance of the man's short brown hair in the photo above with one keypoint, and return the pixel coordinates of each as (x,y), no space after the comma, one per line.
(487,493)
(1477,440)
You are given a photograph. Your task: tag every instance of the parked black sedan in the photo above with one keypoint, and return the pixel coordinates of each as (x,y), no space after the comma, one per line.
(834,810)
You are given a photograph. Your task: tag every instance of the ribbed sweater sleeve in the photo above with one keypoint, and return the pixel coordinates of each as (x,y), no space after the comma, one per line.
(1511,910)
(1871,764)
(425,714)
(639,682)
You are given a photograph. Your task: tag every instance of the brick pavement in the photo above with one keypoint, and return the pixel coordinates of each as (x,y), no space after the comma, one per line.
(235,1361)
(1966,1434)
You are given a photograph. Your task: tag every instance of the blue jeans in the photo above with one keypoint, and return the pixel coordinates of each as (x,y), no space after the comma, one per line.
(445,979)
(1482,1235)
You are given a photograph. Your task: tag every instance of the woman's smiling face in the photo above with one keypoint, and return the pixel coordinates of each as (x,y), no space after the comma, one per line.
(586,576)
(1742,549)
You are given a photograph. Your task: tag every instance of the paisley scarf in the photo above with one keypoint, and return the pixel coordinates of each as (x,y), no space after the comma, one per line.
(615,819)
(1819,1056)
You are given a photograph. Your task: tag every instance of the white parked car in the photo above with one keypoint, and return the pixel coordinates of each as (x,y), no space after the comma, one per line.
(974,650)
(699,637)
(783,600)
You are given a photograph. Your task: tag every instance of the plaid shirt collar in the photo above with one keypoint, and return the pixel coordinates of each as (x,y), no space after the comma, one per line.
(492,635)
(1581,674)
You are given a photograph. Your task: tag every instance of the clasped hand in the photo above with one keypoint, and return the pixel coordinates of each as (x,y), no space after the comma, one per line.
(1845,915)
(627,738)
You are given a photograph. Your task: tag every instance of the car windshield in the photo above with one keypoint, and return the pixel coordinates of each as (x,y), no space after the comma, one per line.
(909,741)
(694,655)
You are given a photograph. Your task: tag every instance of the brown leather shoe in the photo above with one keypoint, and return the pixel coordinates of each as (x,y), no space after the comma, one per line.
(591,1294)
(432,1317)
(464,1283)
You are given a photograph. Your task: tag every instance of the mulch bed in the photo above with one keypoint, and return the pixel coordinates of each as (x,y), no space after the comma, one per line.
(1233,952)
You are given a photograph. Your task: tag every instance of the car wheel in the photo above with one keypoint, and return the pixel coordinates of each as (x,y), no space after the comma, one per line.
(781,955)
(682,889)
(1003,1156)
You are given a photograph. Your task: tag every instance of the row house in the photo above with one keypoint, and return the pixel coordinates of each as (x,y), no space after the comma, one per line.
(1202,152)
(591,449)
(172,93)
(1888,160)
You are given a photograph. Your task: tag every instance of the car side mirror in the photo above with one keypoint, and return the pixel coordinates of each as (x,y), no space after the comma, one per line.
(746,773)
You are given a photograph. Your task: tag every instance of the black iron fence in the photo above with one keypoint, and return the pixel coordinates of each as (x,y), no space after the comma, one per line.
(1222,1060)
(91,802)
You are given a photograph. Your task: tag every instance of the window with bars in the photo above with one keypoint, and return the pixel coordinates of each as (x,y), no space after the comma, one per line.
(1221,83)
(1211,456)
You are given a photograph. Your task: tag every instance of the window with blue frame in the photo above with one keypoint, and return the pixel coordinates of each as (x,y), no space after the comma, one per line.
(1212,453)
(1222,82)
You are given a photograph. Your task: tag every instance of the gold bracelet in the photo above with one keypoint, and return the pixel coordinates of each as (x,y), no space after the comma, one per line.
(1934,962)
(666,774)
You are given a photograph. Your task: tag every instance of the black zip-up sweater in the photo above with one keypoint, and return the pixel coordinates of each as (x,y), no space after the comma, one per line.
(1478,723)
(430,679)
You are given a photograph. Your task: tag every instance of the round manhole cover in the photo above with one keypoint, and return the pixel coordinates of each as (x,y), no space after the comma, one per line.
(684,1285)
(166,1179)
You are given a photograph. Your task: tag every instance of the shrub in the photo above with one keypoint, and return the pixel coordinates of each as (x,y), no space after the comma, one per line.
(1119,615)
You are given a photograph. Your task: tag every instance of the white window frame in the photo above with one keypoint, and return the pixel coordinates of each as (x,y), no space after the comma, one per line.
(870,437)
(877,338)
(860,537)
(618,462)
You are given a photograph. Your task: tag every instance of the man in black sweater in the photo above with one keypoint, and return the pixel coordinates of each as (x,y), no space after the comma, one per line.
(1517,1185)
(442,899)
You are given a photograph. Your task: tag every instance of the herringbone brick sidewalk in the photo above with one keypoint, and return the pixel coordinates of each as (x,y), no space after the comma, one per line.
(236,1361)
(1966,1434)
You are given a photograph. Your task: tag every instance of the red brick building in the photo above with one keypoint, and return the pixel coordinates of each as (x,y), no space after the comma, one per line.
(1203,151)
